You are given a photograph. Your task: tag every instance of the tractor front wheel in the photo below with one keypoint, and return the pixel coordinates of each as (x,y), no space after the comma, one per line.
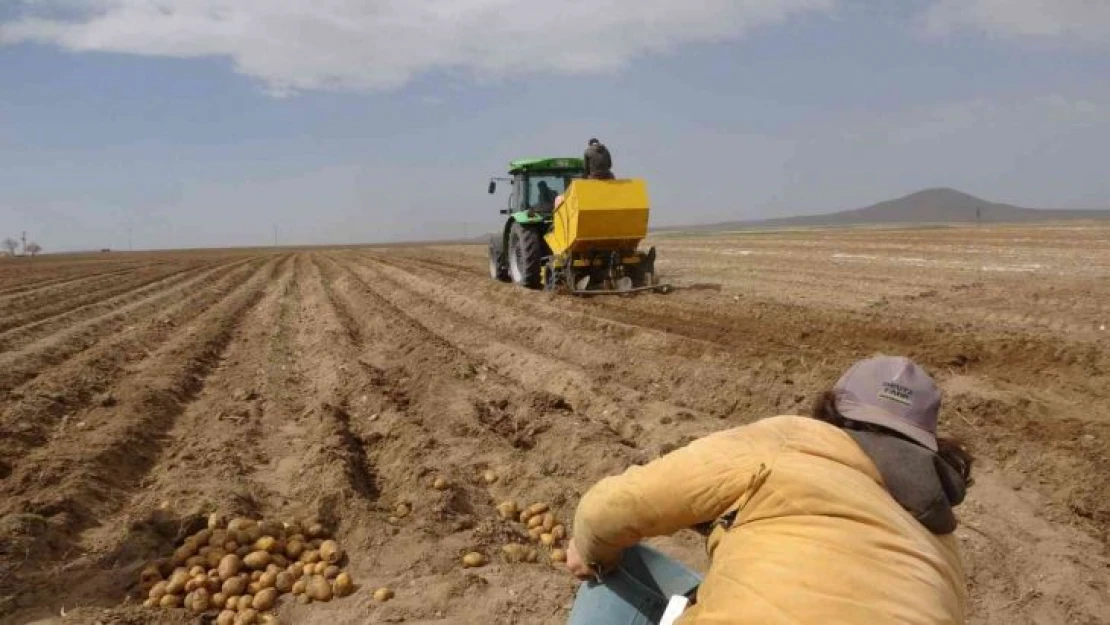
(525,256)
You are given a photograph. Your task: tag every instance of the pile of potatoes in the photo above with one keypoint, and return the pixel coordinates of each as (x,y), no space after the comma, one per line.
(242,567)
(542,527)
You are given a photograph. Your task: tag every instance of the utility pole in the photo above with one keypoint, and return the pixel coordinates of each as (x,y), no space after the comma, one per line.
(24,242)
(275,235)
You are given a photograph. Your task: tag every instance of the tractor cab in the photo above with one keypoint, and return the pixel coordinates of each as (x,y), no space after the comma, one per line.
(536,182)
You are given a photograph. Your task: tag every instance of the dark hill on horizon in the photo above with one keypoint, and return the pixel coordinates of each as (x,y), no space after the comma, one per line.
(931,206)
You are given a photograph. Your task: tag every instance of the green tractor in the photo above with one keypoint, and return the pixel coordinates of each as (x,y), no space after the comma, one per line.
(565,233)
(517,251)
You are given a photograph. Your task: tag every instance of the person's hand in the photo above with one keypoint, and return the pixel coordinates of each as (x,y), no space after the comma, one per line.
(575,564)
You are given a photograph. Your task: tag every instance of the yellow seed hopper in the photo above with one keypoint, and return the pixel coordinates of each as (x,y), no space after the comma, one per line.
(596,229)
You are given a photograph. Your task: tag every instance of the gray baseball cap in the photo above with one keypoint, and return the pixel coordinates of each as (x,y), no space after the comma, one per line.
(893,392)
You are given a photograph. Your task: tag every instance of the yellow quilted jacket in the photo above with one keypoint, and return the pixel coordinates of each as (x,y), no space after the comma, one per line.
(817,538)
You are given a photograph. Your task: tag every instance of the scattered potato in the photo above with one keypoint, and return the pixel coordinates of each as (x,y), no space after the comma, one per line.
(234,586)
(150,603)
(268,579)
(279,560)
(265,599)
(440,484)
(383,594)
(331,572)
(300,586)
(316,530)
(547,540)
(255,576)
(402,509)
(558,555)
(216,521)
(227,617)
(507,510)
(304,599)
(170,601)
(330,552)
(489,476)
(257,559)
(537,508)
(296,570)
(253,588)
(283,582)
(274,529)
(513,552)
(536,521)
(150,576)
(245,602)
(343,586)
(219,600)
(158,590)
(265,543)
(319,589)
(549,522)
(559,532)
(525,516)
(294,549)
(531,555)
(177,583)
(474,560)
(310,557)
(535,533)
(247,617)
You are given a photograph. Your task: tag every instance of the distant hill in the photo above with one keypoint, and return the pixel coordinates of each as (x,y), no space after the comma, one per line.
(930,206)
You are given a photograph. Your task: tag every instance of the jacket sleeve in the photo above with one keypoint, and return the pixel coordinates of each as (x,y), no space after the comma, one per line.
(691,485)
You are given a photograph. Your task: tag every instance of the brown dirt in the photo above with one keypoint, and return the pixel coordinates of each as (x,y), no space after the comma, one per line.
(142,391)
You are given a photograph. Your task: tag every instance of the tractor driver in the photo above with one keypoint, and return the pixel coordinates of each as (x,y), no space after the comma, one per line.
(547,196)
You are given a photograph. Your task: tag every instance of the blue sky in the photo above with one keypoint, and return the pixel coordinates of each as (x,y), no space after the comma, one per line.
(213,122)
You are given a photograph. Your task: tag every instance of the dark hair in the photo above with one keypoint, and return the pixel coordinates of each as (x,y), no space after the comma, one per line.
(951,450)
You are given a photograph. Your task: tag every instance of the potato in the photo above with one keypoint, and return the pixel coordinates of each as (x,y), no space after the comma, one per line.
(196,561)
(247,617)
(473,560)
(283,582)
(150,603)
(525,516)
(150,576)
(170,601)
(257,559)
(193,583)
(537,508)
(265,543)
(265,599)
(489,476)
(294,549)
(402,510)
(252,534)
(310,557)
(229,566)
(547,540)
(218,538)
(196,570)
(158,590)
(507,510)
(299,587)
(212,560)
(268,619)
(319,589)
(296,570)
(559,532)
(234,586)
(440,484)
(201,601)
(549,522)
(316,530)
(231,546)
(330,552)
(535,521)
(239,523)
(304,598)
(183,553)
(226,617)
(321,566)
(217,521)
(201,538)
(253,588)
(255,576)
(535,533)
(315,543)
(243,551)
(177,583)
(245,602)
(513,552)
(279,560)
(392,520)
(274,529)
(331,572)
(558,555)
(343,586)
(383,594)
(297,537)
(219,600)
(531,555)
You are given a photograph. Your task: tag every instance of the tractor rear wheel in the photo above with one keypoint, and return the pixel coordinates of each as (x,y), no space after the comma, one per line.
(498,270)
(525,256)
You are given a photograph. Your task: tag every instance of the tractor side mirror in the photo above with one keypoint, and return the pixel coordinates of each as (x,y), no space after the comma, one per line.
(504,211)
(492,186)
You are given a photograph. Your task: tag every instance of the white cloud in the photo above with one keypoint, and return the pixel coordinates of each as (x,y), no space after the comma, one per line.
(371,44)
(1087,20)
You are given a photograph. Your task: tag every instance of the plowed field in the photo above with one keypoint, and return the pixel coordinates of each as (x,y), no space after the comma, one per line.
(141,392)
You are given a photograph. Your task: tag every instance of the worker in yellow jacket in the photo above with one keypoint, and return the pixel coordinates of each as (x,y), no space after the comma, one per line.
(843,516)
